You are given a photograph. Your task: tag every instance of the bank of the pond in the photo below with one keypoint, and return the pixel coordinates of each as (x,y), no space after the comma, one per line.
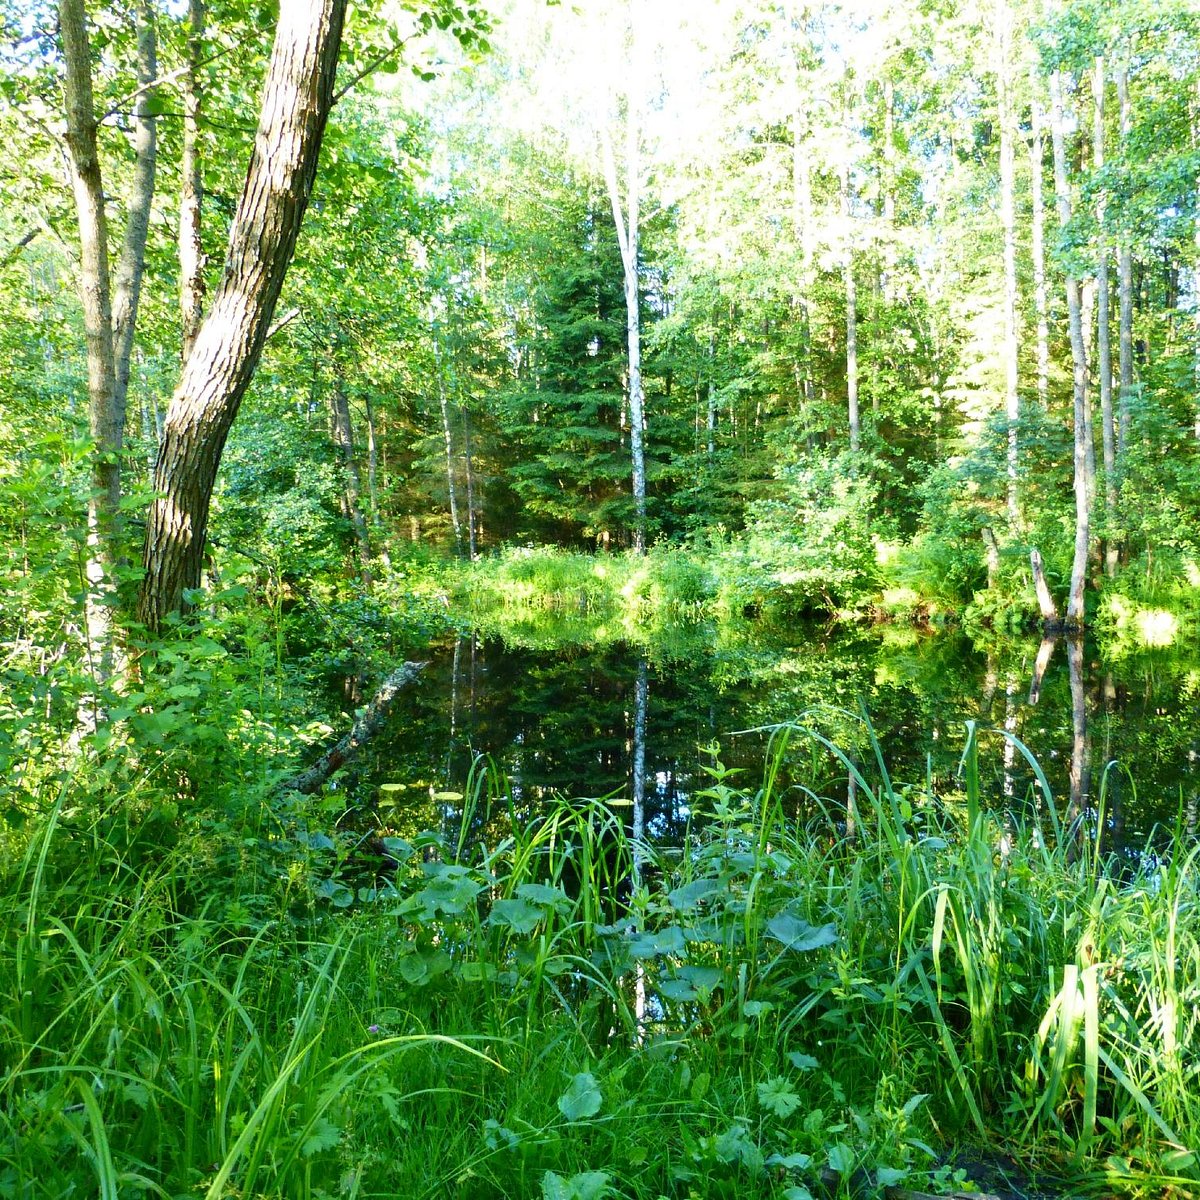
(545,1007)
(753,578)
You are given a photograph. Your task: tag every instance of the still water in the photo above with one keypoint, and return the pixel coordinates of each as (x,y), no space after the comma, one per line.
(564,715)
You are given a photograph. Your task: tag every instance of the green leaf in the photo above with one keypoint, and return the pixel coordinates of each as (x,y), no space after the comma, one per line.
(582,1099)
(890,1176)
(797,934)
(518,915)
(776,1096)
(324,1135)
(587,1185)
(802,1062)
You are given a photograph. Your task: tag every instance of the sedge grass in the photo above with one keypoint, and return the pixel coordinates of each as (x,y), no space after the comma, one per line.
(469,1026)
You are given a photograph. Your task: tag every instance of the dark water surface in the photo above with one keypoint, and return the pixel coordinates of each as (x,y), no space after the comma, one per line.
(560,716)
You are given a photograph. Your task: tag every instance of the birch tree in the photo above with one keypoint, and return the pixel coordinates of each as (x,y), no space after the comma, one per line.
(626,211)
(1062,192)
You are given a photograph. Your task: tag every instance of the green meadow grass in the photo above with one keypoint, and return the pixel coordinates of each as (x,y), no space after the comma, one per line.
(494,1009)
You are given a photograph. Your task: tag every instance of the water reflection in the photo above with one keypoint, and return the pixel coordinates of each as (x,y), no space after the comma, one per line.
(626,721)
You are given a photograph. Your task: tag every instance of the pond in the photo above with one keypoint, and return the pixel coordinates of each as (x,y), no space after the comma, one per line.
(560,712)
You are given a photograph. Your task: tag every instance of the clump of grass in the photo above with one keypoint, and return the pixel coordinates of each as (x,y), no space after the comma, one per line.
(529,1002)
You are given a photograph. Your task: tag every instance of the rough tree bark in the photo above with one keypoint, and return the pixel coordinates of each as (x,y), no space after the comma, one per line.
(297,96)
(1075,609)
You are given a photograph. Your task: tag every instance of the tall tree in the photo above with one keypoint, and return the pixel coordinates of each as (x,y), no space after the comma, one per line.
(626,212)
(1062,191)
(297,96)
(110,315)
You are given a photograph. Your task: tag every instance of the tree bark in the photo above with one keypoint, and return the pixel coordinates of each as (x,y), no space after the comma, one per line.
(447,437)
(191,197)
(343,439)
(1103,331)
(626,216)
(365,727)
(1046,605)
(1124,299)
(130,266)
(1012,406)
(851,294)
(1041,302)
(297,96)
(1075,605)
(95,295)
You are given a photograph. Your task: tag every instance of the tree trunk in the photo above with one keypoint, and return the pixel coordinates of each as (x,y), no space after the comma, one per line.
(1046,605)
(1012,409)
(94,285)
(851,292)
(1041,301)
(1075,607)
(128,283)
(1125,300)
(191,196)
(627,218)
(343,439)
(297,96)
(1103,332)
(447,437)
(469,470)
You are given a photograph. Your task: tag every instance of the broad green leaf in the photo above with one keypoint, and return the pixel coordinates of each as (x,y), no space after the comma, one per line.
(776,1095)
(797,934)
(582,1099)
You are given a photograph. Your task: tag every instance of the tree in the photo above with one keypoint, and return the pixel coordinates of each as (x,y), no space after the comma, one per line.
(297,97)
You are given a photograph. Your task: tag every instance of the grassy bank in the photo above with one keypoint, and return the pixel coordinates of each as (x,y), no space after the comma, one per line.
(273,1006)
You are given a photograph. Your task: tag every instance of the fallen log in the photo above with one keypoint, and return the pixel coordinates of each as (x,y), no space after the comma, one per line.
(369,722)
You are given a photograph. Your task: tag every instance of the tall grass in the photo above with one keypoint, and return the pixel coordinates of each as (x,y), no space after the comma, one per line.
(822,1000)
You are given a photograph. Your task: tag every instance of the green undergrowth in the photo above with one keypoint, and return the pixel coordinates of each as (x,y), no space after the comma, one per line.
(526,1002)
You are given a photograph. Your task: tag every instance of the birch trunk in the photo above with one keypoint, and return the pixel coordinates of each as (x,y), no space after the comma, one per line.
(1012,408)
(1075,606)
(343,439)
(95,295)
(626,216)
(1124,300)
(447,437)
(1041,303)
(191,196)
(851,293)
(1103,332)
(297,96)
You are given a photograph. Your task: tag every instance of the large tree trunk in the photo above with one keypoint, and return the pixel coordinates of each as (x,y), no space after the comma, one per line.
(1075,609)
(94,284)
(191,196)
(1012,408)
(297,96)
(1103,331)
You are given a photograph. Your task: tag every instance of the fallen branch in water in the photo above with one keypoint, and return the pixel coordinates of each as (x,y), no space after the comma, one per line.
(368,724)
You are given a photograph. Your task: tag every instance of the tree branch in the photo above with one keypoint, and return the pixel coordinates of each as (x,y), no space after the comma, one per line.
(368,724)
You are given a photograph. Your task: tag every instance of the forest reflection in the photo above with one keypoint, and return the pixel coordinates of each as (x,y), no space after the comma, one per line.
(646,725)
